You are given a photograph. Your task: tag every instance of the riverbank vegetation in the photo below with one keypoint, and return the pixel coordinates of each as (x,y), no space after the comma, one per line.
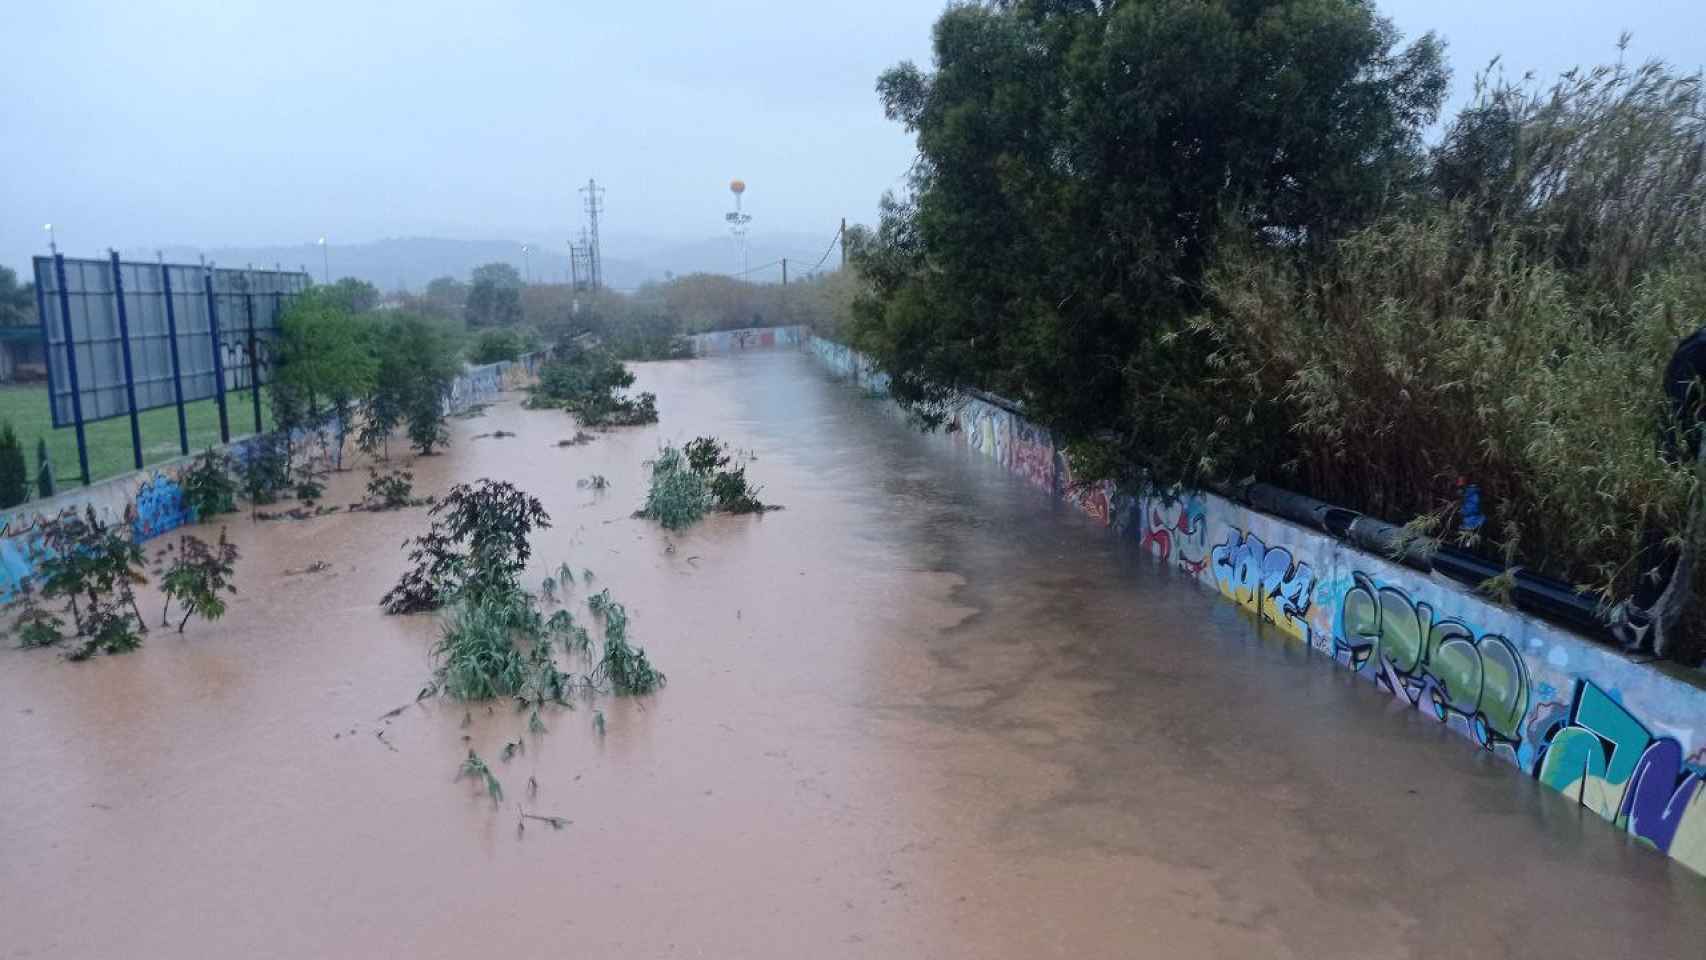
(1207,244)
(696,479)
(590,383)
(496,639)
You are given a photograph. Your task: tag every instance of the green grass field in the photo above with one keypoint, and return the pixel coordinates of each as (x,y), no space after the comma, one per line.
(25,408)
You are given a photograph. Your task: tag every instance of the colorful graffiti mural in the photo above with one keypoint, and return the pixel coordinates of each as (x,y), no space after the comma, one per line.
(1184,536)
(23,545)
(986,428)
(1435,663)
(158,507)
(1605,759)
(152,507)
(1032,456)
(1266,580)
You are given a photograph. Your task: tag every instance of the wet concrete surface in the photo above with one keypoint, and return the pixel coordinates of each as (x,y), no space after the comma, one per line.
(922,712)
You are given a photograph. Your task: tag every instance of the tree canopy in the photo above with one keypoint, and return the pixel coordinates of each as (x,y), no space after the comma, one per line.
(17,301)
(1078,163)
(494,298)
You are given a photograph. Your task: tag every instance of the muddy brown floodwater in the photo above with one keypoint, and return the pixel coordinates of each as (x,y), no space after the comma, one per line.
(922,712)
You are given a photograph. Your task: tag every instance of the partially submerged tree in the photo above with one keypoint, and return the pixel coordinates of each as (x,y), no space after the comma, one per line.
(94,567)
(197,578)
(414,368)
(324,362)
(478,546)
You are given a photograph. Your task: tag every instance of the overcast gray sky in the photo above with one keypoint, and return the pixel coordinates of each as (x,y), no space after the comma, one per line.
(231,122)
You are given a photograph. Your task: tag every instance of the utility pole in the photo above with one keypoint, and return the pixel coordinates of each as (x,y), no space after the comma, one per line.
(784,271)
(841,237)
(580,261)
(594,204)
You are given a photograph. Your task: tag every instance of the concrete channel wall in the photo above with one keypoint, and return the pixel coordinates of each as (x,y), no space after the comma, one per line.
(751,338)
(151,502)
(1622,738)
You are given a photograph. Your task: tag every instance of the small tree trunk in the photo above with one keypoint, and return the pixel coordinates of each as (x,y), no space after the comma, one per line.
(141,621)
(186,619)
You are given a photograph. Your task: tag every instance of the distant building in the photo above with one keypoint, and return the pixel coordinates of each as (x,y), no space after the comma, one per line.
(21,356)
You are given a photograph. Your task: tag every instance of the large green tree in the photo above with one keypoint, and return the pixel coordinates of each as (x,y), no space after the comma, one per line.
(1077,162)
(494,299)
(17,301)
(324,360)
(352,294)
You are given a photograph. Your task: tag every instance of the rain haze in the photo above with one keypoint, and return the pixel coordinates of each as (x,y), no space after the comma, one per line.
(221,127)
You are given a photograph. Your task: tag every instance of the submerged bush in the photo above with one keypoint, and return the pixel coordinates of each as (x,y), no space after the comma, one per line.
(208,486)
(689,482)
(478,545)
(477,651)
(589,384)
(679,496)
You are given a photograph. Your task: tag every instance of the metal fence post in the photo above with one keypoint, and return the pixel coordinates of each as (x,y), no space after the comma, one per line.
(129,369)
(71,365)
(46,350)
(254,361)
(218,358)
(177,373)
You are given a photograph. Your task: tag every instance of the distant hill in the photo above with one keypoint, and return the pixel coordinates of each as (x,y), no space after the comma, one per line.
(410,262)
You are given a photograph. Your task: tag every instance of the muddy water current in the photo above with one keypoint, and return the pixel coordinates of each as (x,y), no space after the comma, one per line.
(922,712)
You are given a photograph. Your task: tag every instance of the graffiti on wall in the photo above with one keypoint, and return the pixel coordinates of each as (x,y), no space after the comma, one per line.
(1435,663)
(158,507)
(849,363)
(984,428)
(1032,454)
(755,338)
(1266,580)
(23,546)
(1177,527)
(1605,759)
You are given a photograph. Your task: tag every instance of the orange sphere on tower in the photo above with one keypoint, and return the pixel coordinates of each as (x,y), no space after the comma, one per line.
(737,187)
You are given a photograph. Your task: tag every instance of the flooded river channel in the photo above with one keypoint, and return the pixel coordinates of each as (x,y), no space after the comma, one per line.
(923,711)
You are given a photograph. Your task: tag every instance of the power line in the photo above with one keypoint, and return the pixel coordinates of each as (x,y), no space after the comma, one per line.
(762,266)
(832,241)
